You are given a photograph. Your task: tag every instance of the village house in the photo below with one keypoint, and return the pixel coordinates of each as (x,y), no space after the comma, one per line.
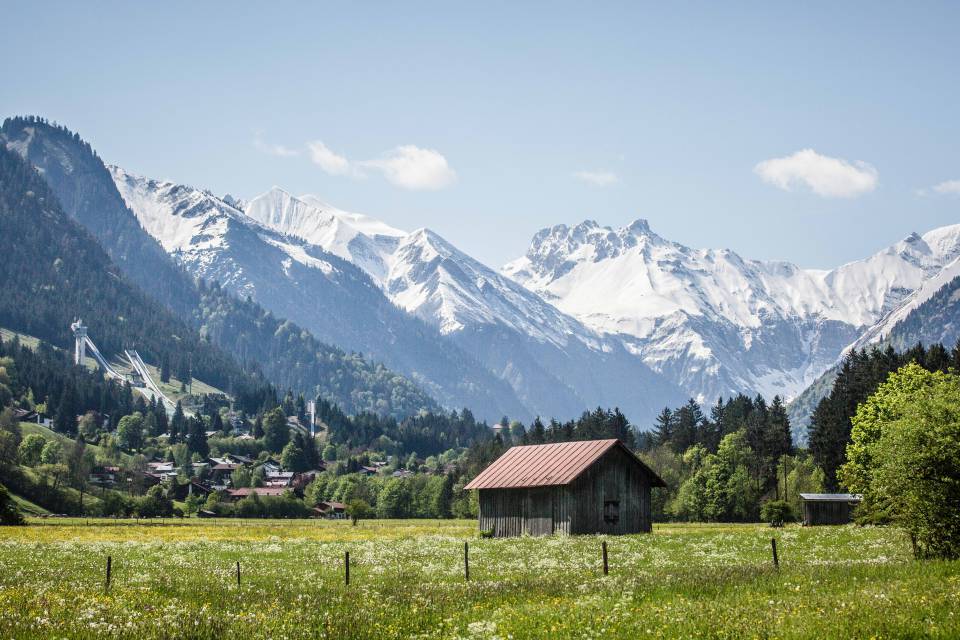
(278,478)
(583,487)
(235,495)
(183,491)
(105,476)
(220,473)
(332,510)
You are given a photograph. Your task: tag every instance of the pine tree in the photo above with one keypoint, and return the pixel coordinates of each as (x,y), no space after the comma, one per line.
(687,422)
(65,420)
(537,434)
(197,437)
(165,368)
(178,426)
(664,426)
(216,422)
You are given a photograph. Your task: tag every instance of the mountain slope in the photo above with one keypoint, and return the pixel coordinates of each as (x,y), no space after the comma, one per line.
(714,322)
(555,364)
(288,355)
(332,298)
(929,315)
(53,270)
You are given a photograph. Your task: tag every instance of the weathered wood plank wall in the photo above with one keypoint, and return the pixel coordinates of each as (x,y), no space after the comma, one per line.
(574,509)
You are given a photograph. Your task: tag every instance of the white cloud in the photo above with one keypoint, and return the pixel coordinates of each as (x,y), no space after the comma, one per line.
(597,178)
(415,168)
(407,166)
(825,176)
(948,187)
(273,149)
(330,162)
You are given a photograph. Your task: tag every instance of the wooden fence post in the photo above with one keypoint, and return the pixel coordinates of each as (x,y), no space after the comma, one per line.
(238,573)
(109,562)
(466,561)
(776,560)
(346,568)
(606,567)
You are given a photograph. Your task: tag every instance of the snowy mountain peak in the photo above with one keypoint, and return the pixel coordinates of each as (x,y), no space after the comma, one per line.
(180,217)
(701,310)
(640,226)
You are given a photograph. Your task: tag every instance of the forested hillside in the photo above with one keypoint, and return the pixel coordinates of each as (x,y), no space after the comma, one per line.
(53,271)
(293,358)
(287,354)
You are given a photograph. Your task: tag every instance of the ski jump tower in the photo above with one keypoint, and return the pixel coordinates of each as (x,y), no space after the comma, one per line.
(80,344)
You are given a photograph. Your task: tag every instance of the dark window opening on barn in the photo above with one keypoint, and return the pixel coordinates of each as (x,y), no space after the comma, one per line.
(611,511)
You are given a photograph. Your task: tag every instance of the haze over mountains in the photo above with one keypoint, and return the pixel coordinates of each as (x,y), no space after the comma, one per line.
(589,316)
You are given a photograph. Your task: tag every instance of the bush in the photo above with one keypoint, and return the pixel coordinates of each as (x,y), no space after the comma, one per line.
(155,504)
(9,513)
(358,509)
(776,512)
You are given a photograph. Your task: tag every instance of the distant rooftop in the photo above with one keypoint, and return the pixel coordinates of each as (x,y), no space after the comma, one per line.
(831,497)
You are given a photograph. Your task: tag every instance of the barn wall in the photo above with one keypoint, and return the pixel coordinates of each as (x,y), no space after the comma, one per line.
(614,477)
(817,512)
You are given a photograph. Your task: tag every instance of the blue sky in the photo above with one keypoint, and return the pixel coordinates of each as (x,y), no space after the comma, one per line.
(488,121)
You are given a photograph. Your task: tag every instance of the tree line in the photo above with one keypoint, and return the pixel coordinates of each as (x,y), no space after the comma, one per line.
(858,377)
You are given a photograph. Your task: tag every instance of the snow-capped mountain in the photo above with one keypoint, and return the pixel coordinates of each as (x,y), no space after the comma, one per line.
(404,298)
(929,315)
(557,365)
(327,295)
(889,324)
(590,315)
(420,271)
(714,322)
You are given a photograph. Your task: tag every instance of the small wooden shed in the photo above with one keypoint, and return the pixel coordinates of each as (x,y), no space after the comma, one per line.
(582,487)
(828,508)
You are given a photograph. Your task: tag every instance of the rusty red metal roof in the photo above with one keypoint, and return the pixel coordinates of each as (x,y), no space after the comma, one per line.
(545,465)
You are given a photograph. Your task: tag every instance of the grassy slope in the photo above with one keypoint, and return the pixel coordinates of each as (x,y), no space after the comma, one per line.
(25,340)
(28,508)
(407,580)
(29,427)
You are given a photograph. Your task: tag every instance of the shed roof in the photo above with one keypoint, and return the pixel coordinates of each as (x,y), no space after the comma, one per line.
(831,497)
(544,465)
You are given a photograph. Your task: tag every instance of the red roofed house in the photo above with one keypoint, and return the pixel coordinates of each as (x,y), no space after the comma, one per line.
(331,509)
(588,486)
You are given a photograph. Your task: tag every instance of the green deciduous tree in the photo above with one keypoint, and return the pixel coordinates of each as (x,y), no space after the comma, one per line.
(130,432)
(904,457)
(52,453)
(276,433)
(30,449)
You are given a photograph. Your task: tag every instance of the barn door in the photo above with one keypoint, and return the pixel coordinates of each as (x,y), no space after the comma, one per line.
(538,512)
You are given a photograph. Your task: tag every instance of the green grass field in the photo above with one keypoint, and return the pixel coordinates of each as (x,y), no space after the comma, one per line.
(177,580)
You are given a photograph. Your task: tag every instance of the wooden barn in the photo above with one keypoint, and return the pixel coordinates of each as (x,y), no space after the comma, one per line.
(828,508)
(588,486)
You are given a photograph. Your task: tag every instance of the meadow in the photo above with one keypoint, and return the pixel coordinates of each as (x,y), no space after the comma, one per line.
(178,580)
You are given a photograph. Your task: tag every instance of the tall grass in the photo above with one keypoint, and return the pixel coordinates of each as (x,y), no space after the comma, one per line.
(178,581)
